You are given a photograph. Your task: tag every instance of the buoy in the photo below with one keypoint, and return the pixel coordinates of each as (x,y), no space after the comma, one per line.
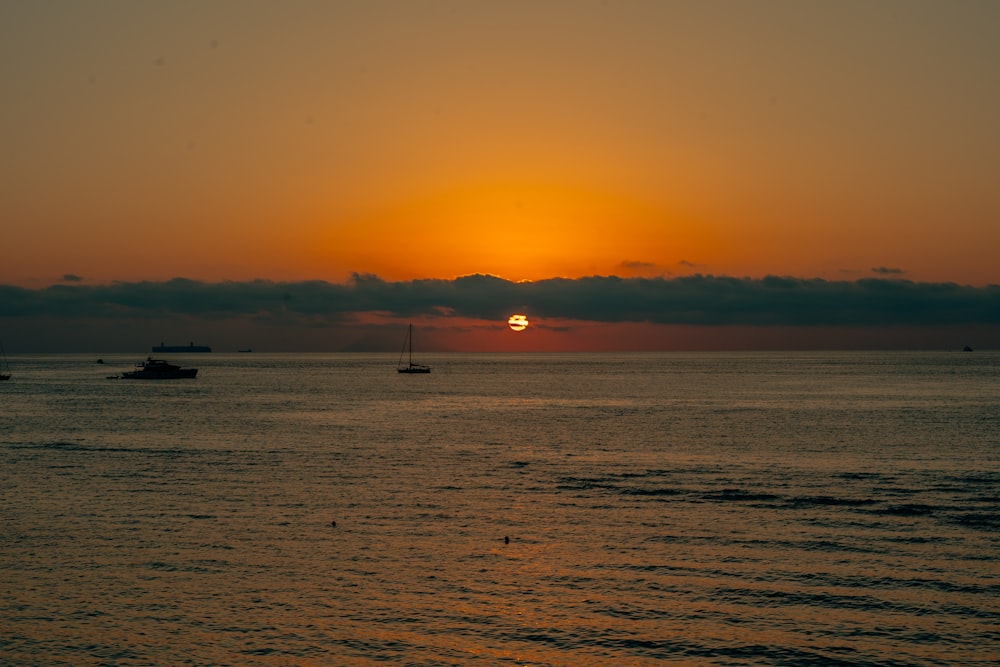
(506,540)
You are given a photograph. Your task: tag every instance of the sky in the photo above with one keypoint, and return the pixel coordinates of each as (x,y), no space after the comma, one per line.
(645,174)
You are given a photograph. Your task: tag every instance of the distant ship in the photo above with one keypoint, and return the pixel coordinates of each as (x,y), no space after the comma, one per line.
(190,347)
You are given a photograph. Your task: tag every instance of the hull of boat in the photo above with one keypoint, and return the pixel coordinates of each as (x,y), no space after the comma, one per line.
(183,373)
(413,369)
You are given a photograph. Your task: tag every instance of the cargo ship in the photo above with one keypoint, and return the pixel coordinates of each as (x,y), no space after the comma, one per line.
(190,347)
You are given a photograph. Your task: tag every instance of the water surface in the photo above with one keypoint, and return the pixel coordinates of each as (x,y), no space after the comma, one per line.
(692,509)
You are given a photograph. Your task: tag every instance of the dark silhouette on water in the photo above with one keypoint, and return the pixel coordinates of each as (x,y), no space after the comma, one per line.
(157,369)
(4,366)
(411,367)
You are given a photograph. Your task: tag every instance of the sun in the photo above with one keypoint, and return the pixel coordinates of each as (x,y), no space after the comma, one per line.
(517,322)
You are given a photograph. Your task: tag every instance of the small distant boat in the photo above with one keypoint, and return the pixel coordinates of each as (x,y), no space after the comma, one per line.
(966,349)
(245,350)
(191,347)
(157,369)
(5,369)
(410,367)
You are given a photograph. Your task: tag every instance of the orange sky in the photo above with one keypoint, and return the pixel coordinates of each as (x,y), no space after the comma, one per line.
(312,140)
(428,140)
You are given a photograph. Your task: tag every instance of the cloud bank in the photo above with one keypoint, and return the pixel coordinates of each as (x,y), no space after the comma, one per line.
(689,300)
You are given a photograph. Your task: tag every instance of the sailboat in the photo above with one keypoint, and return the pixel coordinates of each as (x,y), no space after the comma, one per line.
(410,367)
(5,369)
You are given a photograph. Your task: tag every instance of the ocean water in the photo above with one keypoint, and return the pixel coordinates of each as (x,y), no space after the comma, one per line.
(634,509)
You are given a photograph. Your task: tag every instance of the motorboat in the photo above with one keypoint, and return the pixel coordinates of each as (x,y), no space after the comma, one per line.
(158,369)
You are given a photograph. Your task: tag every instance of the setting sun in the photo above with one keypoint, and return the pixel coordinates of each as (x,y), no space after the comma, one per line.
(518,322)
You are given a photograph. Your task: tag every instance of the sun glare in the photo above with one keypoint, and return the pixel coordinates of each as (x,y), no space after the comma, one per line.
(517,322)
(532,231)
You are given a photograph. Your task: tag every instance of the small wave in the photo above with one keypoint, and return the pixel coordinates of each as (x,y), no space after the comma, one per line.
(975,479)
(738,495)
(873,583)
(818,600)
(157,565)
(61,446)
(650,492)
(911,539)
(863,476)
(906,510)
(830,501)
(633,613)
(585,483)
(989,521)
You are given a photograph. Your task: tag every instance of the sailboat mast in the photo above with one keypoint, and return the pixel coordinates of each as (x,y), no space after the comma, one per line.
(408,350)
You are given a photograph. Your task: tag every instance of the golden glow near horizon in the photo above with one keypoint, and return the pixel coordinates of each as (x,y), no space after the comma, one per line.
(306,140)
(518,322)
(518,231)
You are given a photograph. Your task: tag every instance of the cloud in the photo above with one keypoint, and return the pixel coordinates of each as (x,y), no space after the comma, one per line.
(887,271)
(693,300)
(637,266)
(71,278)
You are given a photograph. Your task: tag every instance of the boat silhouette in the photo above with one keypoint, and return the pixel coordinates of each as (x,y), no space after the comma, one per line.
(410,367)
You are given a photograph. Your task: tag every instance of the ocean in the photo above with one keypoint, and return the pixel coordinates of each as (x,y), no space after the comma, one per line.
(825,508)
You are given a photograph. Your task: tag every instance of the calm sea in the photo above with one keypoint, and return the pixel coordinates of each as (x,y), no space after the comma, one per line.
(634,509)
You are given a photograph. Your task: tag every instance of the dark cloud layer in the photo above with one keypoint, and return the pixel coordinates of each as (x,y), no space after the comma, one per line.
(696,300)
